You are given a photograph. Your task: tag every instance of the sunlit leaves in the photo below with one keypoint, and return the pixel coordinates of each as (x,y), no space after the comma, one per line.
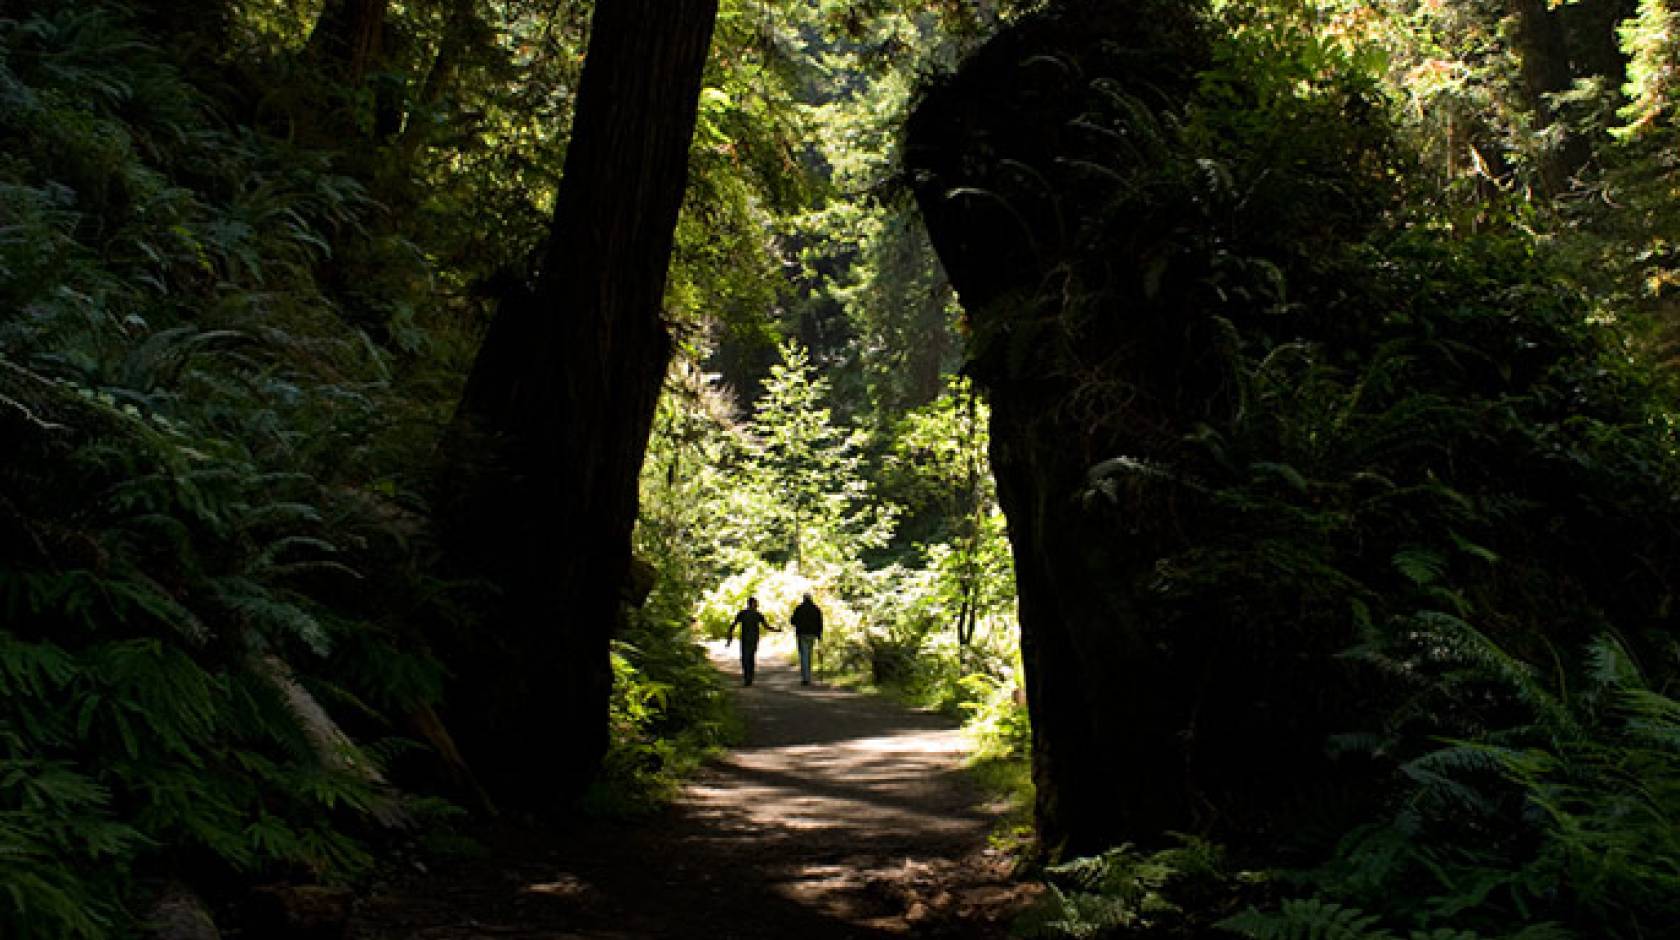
(817,502)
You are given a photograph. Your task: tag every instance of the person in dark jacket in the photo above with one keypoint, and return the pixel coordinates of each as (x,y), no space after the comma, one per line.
(750,621)
(807,628)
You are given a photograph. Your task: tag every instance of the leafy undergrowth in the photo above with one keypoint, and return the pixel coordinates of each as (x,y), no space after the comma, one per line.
(670,711)
(1181,891)
(209,561)
(1007,783)
(1559,826)
(1526,766)
(224,359)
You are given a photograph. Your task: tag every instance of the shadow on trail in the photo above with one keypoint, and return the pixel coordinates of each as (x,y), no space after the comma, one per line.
(839,816)
(780,712)
(864,794)
(605,882)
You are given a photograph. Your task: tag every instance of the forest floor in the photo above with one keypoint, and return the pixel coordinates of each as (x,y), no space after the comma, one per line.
(840,815)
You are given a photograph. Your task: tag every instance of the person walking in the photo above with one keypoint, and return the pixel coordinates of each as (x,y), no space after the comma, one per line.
(807,629)
(750,621)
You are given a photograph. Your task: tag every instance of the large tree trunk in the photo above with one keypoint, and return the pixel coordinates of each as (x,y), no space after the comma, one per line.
(542,462)
(987,152)
(1180,636)
(1042,169)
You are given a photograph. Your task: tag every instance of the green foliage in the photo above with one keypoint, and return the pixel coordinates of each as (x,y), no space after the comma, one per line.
(1558,826)
(202,564)
(1651,39)
(150,719)
(239,287)
(865,292)
(1564,816)
(797,486)
(669,710)
(997,716)
(1427,486)
(815,501)
(1312,919)
(1173,892)
(1413,498)
(1418,453)
(723,500)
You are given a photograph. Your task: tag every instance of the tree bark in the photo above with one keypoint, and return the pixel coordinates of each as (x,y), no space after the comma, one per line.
(1100,346)
(346,37)
(1106,760)
(1170,688)
(541,464)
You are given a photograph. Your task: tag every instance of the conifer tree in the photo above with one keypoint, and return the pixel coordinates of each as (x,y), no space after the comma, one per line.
(816,504)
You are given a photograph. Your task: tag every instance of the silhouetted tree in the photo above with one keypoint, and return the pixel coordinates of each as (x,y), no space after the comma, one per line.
(541,463)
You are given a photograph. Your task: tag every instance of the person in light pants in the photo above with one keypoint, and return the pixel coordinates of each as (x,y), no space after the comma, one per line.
(807,630)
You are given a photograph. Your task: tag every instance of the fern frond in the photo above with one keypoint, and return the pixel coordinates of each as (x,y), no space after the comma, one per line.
(1306,919)
(1456,640)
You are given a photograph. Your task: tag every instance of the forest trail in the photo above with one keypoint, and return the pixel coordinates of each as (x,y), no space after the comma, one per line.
(840,815)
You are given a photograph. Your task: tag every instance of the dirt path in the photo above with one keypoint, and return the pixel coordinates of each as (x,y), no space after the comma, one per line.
(840,815)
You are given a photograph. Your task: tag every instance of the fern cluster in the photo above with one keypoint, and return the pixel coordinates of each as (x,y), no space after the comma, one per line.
(1314,919)
(1476,504)
(669,709)
(1456,509)
(1461,504)
(205,556)
(1563,821)
(1172,892)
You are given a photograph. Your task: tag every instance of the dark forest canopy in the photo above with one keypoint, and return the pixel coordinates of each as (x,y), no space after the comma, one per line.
(1320,351)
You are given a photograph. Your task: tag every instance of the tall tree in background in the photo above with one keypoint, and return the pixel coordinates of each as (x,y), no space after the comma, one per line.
(542,461)
(1555,49)
(346,38)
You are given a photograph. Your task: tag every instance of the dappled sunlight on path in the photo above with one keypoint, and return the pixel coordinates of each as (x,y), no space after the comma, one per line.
(840,815)
(859,793)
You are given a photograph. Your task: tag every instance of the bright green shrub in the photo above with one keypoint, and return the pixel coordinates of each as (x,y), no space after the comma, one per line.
(997,715)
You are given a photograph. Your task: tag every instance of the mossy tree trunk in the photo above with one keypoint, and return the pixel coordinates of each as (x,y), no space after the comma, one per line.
(541,465)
